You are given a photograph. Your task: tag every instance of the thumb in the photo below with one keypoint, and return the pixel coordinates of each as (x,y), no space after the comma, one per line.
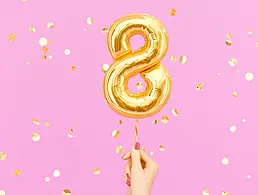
(136,157)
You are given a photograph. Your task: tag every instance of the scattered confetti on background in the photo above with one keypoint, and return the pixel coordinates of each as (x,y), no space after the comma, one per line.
(58,134)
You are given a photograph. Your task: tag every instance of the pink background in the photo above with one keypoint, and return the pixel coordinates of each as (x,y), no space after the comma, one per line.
(195,141)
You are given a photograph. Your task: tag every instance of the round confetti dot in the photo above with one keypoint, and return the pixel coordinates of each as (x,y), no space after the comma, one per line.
(199,86)
(12,37)
(43,41)
(248,176)
(56,173)
(161,148)
(66,192)
(2,192)
(96,171)
(67,52)
(104,30)
(50,57)
(73,68)
(50,24)
(154,122)
(172,12)
(229,35)
(151,153)
(228,42)
(225,193)
(70,133)
(90,20)
(256,44)
(139,85)
(2,155)
(206,192)
(250,32)
(164,119)
(175,112)
(85,29)
(232,62)
(225,161)
(46,124)
(243,120)
(35,137)
(183,59)
(120,122)
(119,149)
(249,76)
(173,58)
(44,49)
(235,94)
(115,134)
(47,179)
(105,67)
(17,173)
(233,128)
(32,29)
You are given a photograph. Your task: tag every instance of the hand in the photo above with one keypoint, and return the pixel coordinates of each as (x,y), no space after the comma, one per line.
(140,171)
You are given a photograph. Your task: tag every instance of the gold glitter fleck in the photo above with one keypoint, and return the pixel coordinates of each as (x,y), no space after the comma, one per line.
(248,176)
(154,122)
(104,30)
(90,20)
(24,1)
(164,119)
(73,68)
(218,74)
(139,85)
(229,35)
(225,193)
(50,41)
(12,37)
(35,121)
(235,94)
(256,44)
(115,134)
(173,58)
(250,32)
(172,12)
(199,86)
(175,112)
(56,173)
(27,62)
(50,57)
(228,42)
(233,128)
(96,171)
(2,192)
(35,137)
(161,148)
(70,133)
(45,49)
(237,71)
(75,123)
(105,67)
(151,153)
(120,122)
(44,57)
(50,24)
(206,192)
(119,149)
(2,155)
(43,41)
(183,59)
(47,179)
(67,52)
(225,161)
(243,120)
(66,192)
(85,29)
(249,76)
(46,124)
(232,61)
(17,172)
(32,29)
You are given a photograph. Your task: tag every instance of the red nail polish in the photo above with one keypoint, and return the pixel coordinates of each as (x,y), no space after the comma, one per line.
(123,156)
(128,183)
(128,176)
(137,146)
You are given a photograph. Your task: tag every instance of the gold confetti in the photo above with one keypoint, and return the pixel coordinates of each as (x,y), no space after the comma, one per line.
(44,57)
(35,137)
(250,32)
(90,20)
(50,24)
(67,52)
(218,74)
(248,176)
(175,112)
(50,57)
(56,173)
(154,122)
(96,171)
(66,192)
(206,192)
(151,153)
(237,71)
(164,119)
(73,68)
(119,149)
(46,124)
(120,122)
(235,94)
(225,193)
(139,85)
(115,134)
(229,35)
(27,62)
(47,179)
(50,41)
(75,124)
(32,29)
(228,42)
(172,12)
(249,76)
(161,148)
(17,173)
(243,120)
(105,67)
(199,86)
(35,121)
(43,41)
(232,61)
(173,58)
(183,59)
(45,49)
(225,161)
(2,192)
(85,29)
(12,37)
(104,30)
(256,44)
(24,1)
(2,155)
(70,133)
(233,128)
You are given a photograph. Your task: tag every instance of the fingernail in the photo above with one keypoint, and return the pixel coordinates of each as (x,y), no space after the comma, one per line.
(137,146)
(123,156)
(128,183)
(128,176)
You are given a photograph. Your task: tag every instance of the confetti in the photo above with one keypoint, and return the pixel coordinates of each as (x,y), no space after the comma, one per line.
(85,29)
(139,85)
(43,41)
(154,122)
(2,155)
(56,173)
(183,59)
(218,74)
(243,120)
(45,49)
(175,112)
(151,153)
(199,86)
(206,192)
(119,149)
(70,133)
(164,119)
(32,29)
(173,58)
(161,148)
(2,192)
(66,192)
(104,30)
(50,57)
(228,42)
(225,161)
(96,171)
(235,94)
(172,12)
(237,71)
(50,41)
(225,193)
(35,137)
(105,67)
(249,76)
(115,134)
(27,62)
(50,24)
(256,44)
(17,173)
(24,1)
(250,32)
(233,128)
(46,124)
(232,61)
(35,121)
(44,57)
(90,20)
(73,68)
(12,37)
(47,179)
(229,35)
(120,122)
(75,124)
(67,52)
(248,176)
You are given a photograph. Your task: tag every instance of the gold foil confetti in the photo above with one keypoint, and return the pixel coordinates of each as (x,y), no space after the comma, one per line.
(243,120)
(70,133)
(119,149)
(175,112)
(115,134)
(47,179)
(96,171)
(218,74)
(151,153)
(172,12)
(35,137)
(45,49)
(85,29)
(225,193)
(90,20)
(173,58)
(2,192)
(35,121)
(225,161)
(27,62)
(249,76)
(24,1)
(161,148)
(228,42)
(17,173)
(206,192)
(233,128)
(183,59)
(232,61)
(235,94)
(237,71)
(43,41)
(56,173)
(250,32)
(256,44)
(120,122)
(66,192)
(164,119)
(199,86)
(229,35)
(104,30)
(139,85)
(50,24)
(105,67)
(154,122)
(2,155)
(67,52)
(50,41)
(73,68)
(50,57)
(44,57)
(12,37)
(46,124)
(32,29)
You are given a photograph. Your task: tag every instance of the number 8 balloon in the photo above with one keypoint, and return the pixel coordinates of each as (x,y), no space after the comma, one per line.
(144,61)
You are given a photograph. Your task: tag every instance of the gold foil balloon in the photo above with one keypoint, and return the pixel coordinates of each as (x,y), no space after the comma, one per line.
(144,61)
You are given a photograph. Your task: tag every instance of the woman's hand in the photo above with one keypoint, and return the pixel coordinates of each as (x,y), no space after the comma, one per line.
(140,171)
